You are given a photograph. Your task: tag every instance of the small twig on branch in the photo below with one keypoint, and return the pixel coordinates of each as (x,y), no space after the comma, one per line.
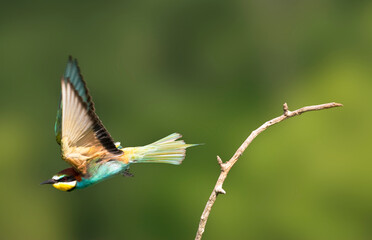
(225,167)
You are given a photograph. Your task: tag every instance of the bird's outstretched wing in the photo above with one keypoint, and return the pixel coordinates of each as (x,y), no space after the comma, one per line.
(78,129)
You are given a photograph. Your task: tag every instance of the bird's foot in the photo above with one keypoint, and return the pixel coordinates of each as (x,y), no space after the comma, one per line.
(126,173)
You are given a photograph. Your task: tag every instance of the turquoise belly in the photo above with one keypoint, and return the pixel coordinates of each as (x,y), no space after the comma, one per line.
(102,172)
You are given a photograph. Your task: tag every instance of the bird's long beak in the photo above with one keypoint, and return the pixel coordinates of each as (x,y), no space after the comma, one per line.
(49,181)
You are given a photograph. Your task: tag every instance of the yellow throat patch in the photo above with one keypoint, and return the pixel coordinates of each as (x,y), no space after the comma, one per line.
(65,186)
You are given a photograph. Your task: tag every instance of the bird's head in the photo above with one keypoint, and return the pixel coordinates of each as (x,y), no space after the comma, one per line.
(65,180)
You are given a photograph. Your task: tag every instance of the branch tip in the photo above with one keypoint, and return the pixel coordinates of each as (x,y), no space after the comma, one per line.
(285,109)
(219,189)
(219,160)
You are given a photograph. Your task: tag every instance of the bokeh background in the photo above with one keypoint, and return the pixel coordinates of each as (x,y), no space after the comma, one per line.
(213,71)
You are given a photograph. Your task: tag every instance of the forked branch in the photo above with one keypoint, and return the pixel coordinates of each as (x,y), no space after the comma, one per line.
(225,167)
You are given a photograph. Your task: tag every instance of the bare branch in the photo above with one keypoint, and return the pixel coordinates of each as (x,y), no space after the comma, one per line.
(225,167)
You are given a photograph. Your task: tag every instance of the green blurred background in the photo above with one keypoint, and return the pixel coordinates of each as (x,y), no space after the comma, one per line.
(213,71)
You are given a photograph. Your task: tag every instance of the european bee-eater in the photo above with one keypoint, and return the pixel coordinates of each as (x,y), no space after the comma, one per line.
(88,147)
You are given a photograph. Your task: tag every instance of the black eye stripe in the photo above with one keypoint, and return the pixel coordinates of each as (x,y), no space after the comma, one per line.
(66,179)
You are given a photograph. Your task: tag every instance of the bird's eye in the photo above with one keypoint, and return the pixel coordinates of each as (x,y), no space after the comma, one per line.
(63,179)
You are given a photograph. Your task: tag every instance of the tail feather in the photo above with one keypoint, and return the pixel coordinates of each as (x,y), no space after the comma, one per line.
(166,150)
(170,138)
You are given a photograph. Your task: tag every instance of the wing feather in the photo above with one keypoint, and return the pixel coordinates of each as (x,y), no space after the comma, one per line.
(82,134)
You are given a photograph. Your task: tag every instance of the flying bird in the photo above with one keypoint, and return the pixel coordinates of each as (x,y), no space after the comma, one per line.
(89,148)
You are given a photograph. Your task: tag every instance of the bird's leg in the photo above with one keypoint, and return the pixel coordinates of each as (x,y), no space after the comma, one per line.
(126,173)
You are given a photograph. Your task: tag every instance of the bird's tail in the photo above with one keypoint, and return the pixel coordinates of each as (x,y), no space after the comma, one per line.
(166,150)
